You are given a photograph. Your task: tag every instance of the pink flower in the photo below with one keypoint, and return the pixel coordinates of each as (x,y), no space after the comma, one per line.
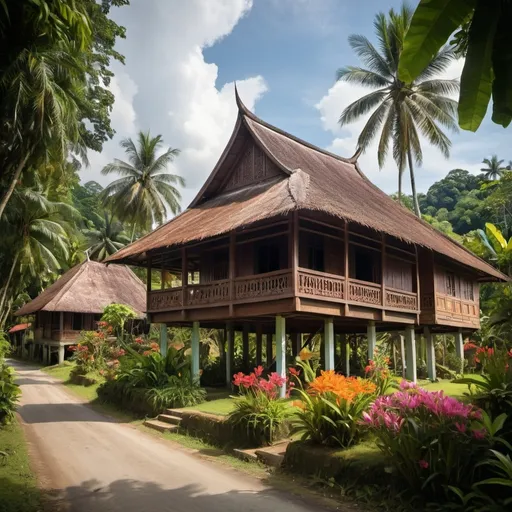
(423,464)
(479,434)
(258,371)
(237,378)
(460,427)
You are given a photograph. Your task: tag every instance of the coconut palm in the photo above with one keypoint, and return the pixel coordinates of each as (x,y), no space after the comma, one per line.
(36,231)
(145,194)
(494,169)
(107,240)
(401,111)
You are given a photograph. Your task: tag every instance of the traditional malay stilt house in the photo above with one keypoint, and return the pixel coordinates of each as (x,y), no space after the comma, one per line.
(75,303)
(285,238)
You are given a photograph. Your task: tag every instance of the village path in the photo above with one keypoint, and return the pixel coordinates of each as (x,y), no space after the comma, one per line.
(98,465)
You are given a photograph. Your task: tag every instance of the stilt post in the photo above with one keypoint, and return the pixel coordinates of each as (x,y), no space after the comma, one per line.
(410,352)
(281,351)
(328,344)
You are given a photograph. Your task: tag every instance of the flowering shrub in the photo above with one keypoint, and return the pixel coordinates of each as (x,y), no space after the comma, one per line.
(331,407)
(432,440)
(259,410)
(378,372)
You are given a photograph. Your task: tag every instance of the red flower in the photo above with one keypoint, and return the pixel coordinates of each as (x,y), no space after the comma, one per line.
(423,464)
(258,371)
(147,353)
(293,371)
(73,348)
(139,341)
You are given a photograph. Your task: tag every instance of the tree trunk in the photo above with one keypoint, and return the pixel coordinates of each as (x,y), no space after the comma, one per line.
(12,185)
(7,283)
(413,186)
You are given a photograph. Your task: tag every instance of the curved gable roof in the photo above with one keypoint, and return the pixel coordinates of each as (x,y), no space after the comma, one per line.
(313,179)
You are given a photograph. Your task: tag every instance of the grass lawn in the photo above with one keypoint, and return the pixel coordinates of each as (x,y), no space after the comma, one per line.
(18,487)
(221,407)
(450,388)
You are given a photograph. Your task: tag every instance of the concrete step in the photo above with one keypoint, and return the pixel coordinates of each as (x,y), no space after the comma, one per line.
(161,426)
(272,455)
(174,412)
(169,418)
(246,455)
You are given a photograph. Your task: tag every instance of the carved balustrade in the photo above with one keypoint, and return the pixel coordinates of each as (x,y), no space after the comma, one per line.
(319,284)
(165,299)
(270,284)
(366,293)
(211,293)
(401,300)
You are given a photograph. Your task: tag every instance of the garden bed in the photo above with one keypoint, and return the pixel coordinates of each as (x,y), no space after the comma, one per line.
(363,462)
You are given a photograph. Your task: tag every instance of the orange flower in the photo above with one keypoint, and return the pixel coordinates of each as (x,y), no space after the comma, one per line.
(345,388)
(305,354)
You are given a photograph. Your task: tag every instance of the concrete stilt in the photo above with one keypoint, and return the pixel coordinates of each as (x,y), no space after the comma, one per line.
(62,351)
(371,334)
(281,351)
(328,344)
(431,355)
(410,353)
(163,339)
(459,348)
(345,354)
(195,351)
(229,353)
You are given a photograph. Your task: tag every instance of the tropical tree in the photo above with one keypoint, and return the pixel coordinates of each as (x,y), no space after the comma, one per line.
(106,240)
(401,110)
(36,232)
(146,192)
(482,38)
(494,169)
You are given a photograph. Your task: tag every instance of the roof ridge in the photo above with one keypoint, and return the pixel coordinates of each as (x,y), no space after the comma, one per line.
(246,112)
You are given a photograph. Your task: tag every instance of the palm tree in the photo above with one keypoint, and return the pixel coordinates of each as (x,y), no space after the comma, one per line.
(494,169)
(106,240)
(146,193)
(401,111)
(36,230)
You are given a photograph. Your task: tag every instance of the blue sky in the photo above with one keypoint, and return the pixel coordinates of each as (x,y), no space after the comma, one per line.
(182,58)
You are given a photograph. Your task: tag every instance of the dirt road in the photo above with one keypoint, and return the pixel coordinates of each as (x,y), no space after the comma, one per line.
(98,465)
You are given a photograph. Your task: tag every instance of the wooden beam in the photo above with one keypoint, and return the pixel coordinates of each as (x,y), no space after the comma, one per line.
(293,248)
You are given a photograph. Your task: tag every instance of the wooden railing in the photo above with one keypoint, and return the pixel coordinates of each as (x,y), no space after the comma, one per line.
(67,334)
(320,284)
(265,285)
(211,293)
(401,299)
(457,307)
(165,299)
(364,292)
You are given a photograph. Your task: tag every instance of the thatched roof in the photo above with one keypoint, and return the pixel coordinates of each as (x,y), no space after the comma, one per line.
(310,179)
(88,288)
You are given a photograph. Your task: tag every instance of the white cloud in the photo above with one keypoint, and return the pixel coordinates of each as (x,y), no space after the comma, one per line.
(167,87)
(435,166)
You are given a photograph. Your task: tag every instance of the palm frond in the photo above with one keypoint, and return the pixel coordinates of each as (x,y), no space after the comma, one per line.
(361,106)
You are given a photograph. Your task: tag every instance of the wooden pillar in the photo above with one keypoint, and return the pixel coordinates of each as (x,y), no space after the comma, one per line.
(61,325)
(347,267)
(382,277)
(230,346)
(62,351)
(402,354)
(281,351)
(184,278)
(328,344)
(269,351)
(259,344)
(296,343)
(232,271)
(195,351)
(293,248)
(345,354)
(431,355)
(163,339)
(410,342)
(459,348)
(371,335)
(245,346)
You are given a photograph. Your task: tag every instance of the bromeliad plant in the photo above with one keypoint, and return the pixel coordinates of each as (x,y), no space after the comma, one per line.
(258,409)
(432,440)
(331,408)
(379,373)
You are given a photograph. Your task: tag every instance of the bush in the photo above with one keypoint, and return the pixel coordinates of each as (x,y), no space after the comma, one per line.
(9,393)
(331,408)
(259,410)
(432,440)
(5,346)
(378,372)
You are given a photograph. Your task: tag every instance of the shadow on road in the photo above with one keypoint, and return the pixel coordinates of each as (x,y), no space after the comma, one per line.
(51,413)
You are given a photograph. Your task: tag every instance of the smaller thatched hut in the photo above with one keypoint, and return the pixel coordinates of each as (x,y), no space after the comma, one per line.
(75,302)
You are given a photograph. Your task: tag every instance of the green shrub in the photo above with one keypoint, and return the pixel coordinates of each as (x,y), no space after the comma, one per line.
(331,408)
(117,315)
(9,393)
(5,346)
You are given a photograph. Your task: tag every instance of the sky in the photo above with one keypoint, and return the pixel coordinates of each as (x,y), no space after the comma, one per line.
(184,56)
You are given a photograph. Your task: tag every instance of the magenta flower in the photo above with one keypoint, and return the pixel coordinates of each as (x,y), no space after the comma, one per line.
(423,464)
(460,427)
(479,434)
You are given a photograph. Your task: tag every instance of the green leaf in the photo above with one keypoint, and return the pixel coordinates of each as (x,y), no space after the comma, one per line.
(477,76)
(502,67)
(432,24)
(496,237)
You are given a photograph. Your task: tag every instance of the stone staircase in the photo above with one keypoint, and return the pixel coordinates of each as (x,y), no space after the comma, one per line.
(166,422)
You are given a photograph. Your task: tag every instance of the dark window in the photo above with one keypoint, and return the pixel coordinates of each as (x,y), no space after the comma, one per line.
(316,253)
(450,284)
(267,258)
(78,321)
(364,264)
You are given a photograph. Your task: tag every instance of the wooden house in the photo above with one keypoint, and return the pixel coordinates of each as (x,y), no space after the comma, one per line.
(285,238)
(75,303)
